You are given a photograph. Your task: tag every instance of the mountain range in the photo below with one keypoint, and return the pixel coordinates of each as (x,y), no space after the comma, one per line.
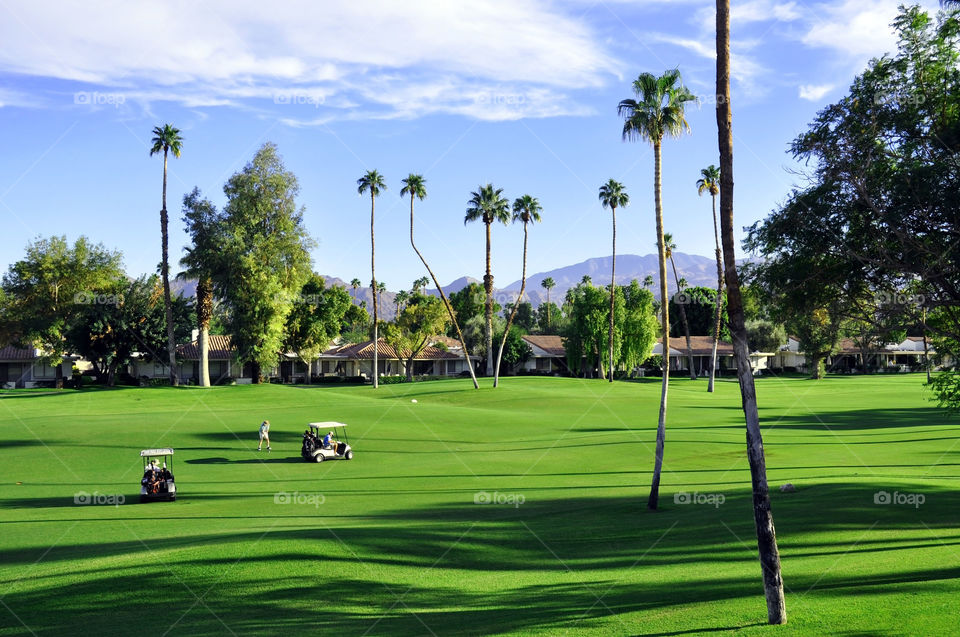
(696,269)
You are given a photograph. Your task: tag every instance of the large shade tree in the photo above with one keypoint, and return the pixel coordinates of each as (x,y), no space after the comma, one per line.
(657,111)
(487,204)
(526,210)
(613,195)
(710,182)
(374,183)
(763,516)
(415,186)
(315,320)
(166,139)
(264,259)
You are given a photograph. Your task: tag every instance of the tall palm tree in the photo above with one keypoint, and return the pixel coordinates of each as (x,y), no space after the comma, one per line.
(355,284)
(488,204)
(416,187)
(658,112)
(762,513)
(648,281)
(526,210)
(200,263)
(374,182)
(421,284)
(710,182)
(670,245)
(548,284)
(381,288)
(167,138)
(401,299)
(613,195)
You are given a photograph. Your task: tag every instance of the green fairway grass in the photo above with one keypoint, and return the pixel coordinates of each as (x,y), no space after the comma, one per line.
(512,510)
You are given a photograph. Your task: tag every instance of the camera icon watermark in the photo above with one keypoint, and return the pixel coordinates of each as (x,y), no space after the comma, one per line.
(98,499)
(511,499)
(95,98)
(298,99)
(711,499)
(908,499)
(295,497)
(899,298)
(95,298)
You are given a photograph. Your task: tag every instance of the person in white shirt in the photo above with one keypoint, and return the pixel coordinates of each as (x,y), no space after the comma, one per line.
(264,435)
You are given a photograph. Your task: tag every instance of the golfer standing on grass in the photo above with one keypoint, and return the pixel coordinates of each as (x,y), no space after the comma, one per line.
(264,435)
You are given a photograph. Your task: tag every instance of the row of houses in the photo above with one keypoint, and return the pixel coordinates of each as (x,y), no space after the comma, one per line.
(21,367)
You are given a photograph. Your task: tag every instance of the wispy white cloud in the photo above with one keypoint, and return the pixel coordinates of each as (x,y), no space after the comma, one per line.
(814,92)
(405,58)
(855,29)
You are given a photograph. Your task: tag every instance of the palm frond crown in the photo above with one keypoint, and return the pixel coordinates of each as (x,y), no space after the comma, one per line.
(488,205)
(613,195)
(166,138)
(372,181)
(658,110)
(526,209)
(415,186)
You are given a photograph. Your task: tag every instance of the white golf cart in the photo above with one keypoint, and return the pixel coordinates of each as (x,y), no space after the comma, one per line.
(313,449)
(157,482)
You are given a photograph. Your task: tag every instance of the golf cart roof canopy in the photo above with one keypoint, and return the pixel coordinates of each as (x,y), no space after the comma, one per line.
(167,451)
(326,425)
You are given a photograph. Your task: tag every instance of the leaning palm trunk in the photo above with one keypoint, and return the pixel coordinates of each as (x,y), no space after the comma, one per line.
(613,284)
(376,298)
(446,303)
(686,325)
(165,275)
(716,310)
(665,327)
(513,312)
(763,517)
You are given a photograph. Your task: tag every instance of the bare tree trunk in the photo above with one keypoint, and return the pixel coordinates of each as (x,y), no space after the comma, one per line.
(763,516)
(513,312)
(204,307)
(654,498)
(488,287)
(165,275)
(716,311)
(686,325)
(376,303)
(613,283)
(446,303)
(926,350)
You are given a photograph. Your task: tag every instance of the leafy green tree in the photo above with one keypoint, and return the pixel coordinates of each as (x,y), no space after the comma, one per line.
(46,291)
(545,324)
(658,112)
(516,352)
(355,327)
(548,284)
(422,320)
(526,210)
(613,195)
(200,262)
(167,139)
(526,318)
(765,336)
(585,334)
(710,182)
(315,319)
(373,182)
(699,304)
(123,318)
(265,257)
(640,326)
(763,516)
(416,187)
(487,204)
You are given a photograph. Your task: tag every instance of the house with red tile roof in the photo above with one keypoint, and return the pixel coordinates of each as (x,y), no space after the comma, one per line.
(25,367)
(442,358)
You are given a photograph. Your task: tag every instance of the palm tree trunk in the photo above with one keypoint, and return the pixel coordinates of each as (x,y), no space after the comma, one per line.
(665,327)
(926,350)
(763,516)
(446,303)
(716,310)
(513,312)
(165,275)
(373,283)
(686,325)
(204,311)
(488,287)
(613,283)
(548,307)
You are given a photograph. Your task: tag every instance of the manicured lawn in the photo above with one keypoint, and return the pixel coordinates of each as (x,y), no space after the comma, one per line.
(394,543)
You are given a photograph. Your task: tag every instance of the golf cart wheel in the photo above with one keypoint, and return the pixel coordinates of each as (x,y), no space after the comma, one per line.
(318,457)
(349,455)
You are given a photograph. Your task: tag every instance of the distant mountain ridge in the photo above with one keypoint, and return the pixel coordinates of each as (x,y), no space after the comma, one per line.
(696,269)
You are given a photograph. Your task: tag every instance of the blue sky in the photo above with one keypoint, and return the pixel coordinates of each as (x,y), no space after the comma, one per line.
(519,93)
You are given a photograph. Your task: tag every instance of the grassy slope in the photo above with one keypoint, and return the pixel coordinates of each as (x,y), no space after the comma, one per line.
(399,547)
